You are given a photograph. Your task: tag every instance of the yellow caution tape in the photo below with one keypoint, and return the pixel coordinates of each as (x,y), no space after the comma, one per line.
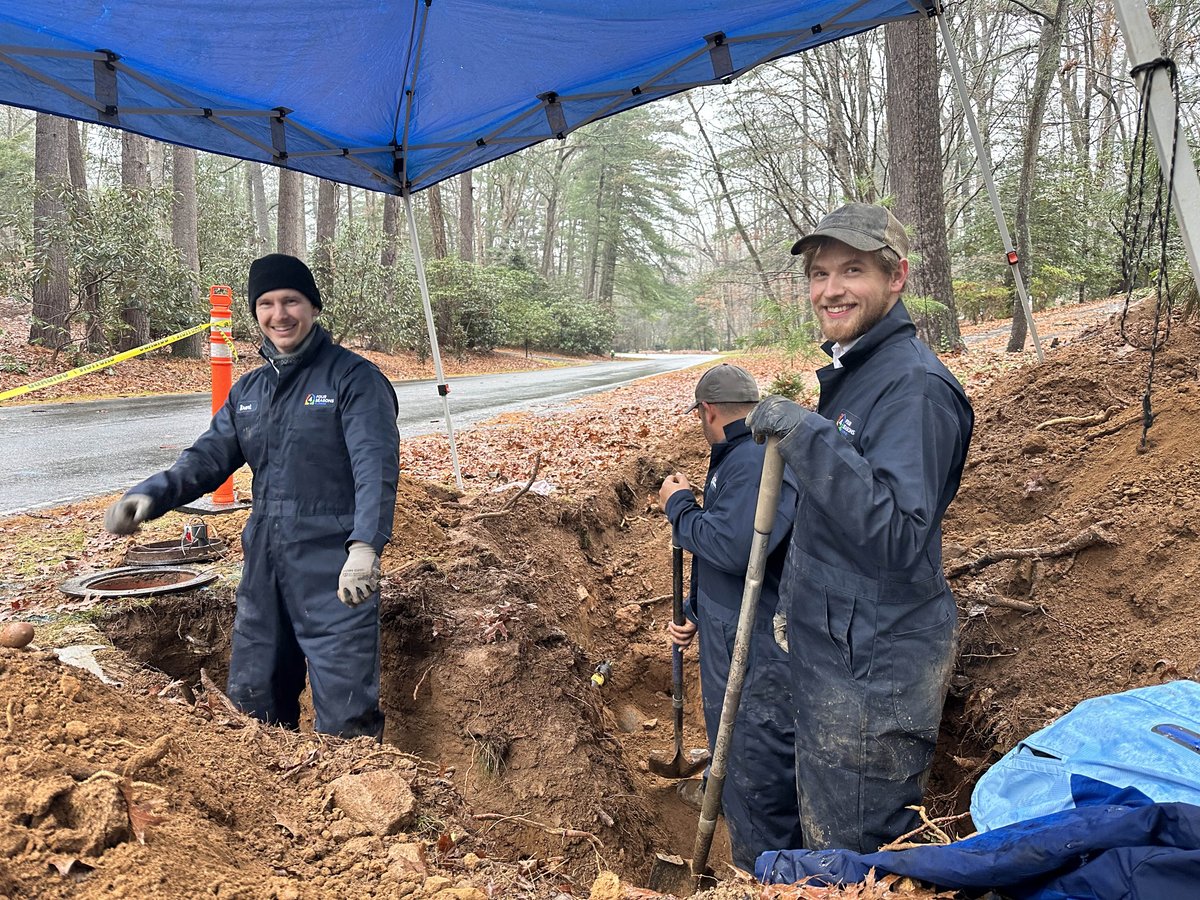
(102,363)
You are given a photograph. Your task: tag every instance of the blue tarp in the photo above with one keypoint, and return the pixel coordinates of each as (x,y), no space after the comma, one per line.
(380,93)
(1121,847)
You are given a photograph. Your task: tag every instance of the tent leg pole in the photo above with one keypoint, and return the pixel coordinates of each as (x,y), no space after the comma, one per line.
(985,165)
(443,388)
(1142,45)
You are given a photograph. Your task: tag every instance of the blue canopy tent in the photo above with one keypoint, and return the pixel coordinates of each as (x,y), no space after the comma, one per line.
(397,96)
(391,96)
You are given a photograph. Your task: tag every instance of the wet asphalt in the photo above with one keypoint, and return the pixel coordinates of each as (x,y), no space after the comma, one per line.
(63,452)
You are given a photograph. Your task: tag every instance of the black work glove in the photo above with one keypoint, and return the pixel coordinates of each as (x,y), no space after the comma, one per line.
(775,415)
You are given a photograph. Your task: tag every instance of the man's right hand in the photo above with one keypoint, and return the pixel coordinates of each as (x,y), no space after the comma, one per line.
(681,635)
(672,484)
(125,515)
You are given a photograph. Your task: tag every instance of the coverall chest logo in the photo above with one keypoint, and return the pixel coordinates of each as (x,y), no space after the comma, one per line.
(846,426)
(320,400)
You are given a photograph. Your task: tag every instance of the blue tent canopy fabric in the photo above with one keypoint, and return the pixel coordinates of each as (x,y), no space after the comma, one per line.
(391,95)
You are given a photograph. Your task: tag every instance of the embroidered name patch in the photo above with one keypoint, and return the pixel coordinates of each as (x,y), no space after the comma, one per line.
(247,406)
(845,425)
(320,400)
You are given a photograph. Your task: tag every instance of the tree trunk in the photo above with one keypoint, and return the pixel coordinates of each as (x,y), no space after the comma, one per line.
(135,179)
(915,161)
(1049,46)
(51,292)
(550,232)
(437,221)
(327,216)
(184,237)
(89,280)
(391,230)
(258,207)
(289,226)
(466,218)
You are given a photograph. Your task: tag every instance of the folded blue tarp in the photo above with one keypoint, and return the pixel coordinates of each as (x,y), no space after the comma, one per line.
(1114,844)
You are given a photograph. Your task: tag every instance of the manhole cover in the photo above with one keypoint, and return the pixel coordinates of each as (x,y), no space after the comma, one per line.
(136,581)
(165,553)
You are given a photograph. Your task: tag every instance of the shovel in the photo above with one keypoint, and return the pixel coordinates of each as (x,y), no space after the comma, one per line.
(671,874)
(679,765)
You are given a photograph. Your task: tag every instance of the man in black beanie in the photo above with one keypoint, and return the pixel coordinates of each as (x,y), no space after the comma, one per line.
(317,426)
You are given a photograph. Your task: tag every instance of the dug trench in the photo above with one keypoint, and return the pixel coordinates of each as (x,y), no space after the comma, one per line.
(493,624)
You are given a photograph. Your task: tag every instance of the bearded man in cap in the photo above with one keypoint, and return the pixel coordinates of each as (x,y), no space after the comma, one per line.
(317,425)
(759,797)
(871,621)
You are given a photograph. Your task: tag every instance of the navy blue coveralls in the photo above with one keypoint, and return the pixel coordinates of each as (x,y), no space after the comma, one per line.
(871,620)
(319,433)
(759,799)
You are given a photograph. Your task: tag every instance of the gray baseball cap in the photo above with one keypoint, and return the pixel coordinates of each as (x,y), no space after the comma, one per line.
(863,226)
(725,384)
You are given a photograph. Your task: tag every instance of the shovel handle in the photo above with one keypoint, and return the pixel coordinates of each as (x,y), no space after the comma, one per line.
(676,650)
(764,518)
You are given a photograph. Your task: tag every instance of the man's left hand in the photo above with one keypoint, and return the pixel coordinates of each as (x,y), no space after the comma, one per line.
(672,485)
(360,574)
(775,415)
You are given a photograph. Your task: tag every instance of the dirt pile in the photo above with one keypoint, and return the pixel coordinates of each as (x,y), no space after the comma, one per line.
(1106,602)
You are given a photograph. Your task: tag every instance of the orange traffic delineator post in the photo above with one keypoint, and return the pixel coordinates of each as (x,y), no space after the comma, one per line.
(220,357)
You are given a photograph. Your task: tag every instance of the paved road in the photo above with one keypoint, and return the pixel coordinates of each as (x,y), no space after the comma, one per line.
(58,453)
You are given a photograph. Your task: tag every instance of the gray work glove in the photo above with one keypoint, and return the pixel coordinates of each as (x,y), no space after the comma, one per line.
(360,574)
(775,415)
(125,515)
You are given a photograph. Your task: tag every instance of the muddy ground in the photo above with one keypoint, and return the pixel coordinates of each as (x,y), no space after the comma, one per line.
(505,772)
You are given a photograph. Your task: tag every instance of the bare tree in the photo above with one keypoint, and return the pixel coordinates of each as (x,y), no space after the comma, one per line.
(257,193)
(391,230)
(89,280)
(437,221)
(327,216)
(51,291)
(915,168)
(1049,48)
(184,237)
(135,179)
(466,218)
(289,228)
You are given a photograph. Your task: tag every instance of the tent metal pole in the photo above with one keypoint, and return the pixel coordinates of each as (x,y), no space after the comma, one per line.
(442,387)
(1142,46)
(985,165)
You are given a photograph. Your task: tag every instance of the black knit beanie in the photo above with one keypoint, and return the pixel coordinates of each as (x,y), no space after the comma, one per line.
(278,270)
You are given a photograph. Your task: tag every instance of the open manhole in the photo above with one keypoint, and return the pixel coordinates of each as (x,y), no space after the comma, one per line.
(137,581)
(163,553)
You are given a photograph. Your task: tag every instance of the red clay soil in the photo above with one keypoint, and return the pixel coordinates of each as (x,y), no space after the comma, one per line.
(526,780)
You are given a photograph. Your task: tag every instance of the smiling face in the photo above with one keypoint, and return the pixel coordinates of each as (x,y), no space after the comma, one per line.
(850,290)
(285,316)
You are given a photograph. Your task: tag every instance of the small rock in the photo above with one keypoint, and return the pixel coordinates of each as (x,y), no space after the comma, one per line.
(607,886)
(435,884)
(459,892)
(381,801)
(470,861)
(77,730)
(630,718)
(287,892)
(406,859)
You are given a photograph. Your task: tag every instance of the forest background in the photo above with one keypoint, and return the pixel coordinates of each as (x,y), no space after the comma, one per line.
(668,227)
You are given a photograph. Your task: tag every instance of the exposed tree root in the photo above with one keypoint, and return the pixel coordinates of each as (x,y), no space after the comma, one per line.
(1093,534)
